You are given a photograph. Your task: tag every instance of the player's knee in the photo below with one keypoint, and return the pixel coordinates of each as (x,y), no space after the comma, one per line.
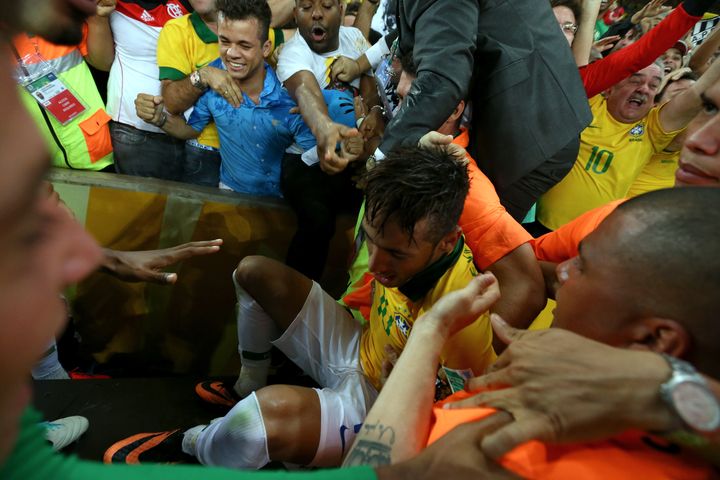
(292,422)
(252,271)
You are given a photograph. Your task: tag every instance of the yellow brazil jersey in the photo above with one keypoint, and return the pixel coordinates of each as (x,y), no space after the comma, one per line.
(187,44)
(658,173)
(394,311)
(611,156)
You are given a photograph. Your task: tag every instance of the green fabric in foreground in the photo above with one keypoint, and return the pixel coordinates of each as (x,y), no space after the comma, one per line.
(34,459)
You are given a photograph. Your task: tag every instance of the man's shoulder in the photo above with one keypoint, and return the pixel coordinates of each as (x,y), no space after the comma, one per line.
(295,45)
(352,38)
(180,23)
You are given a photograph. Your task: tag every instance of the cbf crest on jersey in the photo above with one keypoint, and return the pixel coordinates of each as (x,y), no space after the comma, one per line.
(402,324)
(637,132)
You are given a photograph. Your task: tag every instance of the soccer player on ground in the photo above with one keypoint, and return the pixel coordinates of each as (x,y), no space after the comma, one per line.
(43,251)
(623,290)
(416,254)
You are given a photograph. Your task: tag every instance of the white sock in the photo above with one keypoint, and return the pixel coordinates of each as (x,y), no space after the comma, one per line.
(255,332)
(251,379)
(48,367)
(238,440)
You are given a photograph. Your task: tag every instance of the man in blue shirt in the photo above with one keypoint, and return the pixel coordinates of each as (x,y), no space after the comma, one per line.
(253,136)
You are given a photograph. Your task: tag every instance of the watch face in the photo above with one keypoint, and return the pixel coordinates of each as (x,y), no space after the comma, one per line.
(697,406)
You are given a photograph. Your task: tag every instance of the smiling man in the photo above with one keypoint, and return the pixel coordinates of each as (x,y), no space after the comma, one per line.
(255,134)
(416,254)
(626,131)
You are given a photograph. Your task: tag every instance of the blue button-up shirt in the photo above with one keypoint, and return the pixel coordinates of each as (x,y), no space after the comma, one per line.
(253,137)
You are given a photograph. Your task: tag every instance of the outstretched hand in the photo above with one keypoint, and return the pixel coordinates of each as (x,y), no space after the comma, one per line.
(561,387)
(650,9)
(327,140)
(456,310)
(147,265)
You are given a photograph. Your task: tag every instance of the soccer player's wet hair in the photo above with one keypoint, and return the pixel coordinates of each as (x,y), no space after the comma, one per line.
(672,254)
(416,183)
(247,9)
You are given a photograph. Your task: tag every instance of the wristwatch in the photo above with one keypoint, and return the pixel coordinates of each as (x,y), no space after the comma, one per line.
(196,81)
(688,395)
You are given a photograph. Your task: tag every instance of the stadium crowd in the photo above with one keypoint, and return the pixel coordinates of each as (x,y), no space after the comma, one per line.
(499,157)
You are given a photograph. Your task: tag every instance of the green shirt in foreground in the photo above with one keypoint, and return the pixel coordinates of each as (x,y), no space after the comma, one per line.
(34,459)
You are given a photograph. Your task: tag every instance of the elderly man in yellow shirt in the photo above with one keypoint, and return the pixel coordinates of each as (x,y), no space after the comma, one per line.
(626,131)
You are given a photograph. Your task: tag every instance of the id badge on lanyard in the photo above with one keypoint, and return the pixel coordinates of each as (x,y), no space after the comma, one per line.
(38,77)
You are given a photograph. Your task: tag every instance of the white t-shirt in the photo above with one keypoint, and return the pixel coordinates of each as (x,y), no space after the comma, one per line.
(135,68)
(296,56)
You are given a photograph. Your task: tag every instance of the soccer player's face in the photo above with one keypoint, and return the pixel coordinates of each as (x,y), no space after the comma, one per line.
(241,50)
(42,250)
(632,99)
(593,299)
(319,23)
(700,157)
(394,257)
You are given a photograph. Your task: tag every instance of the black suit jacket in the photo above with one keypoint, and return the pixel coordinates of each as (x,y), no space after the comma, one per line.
(512,60)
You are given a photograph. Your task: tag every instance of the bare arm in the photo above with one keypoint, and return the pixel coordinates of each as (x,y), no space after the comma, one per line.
(699,60)
(678,112)
(179,95)
(304,89)
(151,109)
(522,286)
(282,12)
(586,30)
(399,422)
(364,17)
(100,43)
(551,281)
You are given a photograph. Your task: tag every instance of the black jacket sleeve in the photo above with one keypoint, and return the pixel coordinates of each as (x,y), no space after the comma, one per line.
(442,35)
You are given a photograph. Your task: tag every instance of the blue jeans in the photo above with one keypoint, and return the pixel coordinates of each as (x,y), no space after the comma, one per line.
(202,166)
(147,154)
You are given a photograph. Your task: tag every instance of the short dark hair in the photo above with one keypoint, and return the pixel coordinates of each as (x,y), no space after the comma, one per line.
(573,5)
(246,9)
(673,258)
(415,183)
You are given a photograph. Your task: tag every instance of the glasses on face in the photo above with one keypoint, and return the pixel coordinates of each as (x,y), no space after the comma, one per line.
(569,27)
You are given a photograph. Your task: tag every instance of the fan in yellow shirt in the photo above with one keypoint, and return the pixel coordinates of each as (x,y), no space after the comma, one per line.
(660,170)
(627,130)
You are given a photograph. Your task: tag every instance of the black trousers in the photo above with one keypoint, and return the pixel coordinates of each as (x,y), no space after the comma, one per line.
(520,196)
(316,198)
